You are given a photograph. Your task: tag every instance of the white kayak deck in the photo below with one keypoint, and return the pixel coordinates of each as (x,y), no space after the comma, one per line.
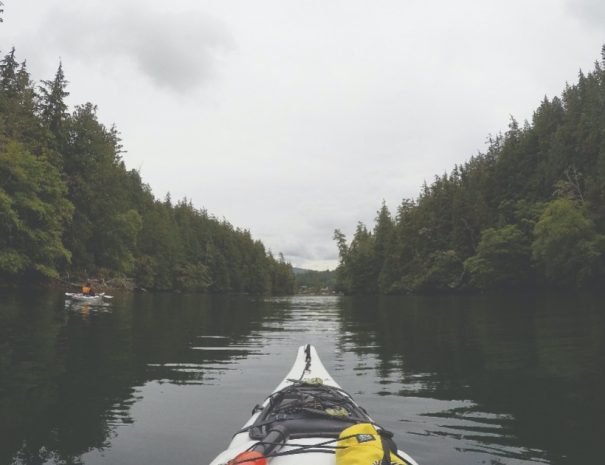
(242,441)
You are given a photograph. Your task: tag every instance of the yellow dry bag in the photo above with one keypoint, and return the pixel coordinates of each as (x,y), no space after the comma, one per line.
(361,444)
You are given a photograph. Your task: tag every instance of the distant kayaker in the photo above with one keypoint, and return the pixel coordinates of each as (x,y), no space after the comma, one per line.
(88,290)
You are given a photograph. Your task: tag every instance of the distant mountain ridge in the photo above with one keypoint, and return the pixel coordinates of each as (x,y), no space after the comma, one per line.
(313,281)
(298,271)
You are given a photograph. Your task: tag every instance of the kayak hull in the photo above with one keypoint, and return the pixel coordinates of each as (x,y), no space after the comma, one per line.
(79,297)
(301,370)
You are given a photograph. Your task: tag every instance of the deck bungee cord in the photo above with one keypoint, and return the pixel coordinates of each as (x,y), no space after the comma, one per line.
(333,401)
(312,401)
(308,409)
(322,447)
(254,455)
(309,415)
(307,361)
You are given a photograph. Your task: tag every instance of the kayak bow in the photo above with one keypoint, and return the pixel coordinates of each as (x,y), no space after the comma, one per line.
(303,420)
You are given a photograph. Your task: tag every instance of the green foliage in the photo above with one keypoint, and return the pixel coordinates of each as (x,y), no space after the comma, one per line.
(34,212)
(357,272)
(502,259)
(343,280)
(53,109)
(145,271)
(496,211)
(118,241)
(442,272)
(68,204)
(283,281)
(567,247)
(192,277)
(18,106)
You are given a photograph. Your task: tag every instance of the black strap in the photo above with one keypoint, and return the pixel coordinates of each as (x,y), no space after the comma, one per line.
(386,449)
(307,361)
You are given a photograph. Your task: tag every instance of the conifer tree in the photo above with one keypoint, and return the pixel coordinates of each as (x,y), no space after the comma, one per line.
(489,210)
(8,73)
(53,108)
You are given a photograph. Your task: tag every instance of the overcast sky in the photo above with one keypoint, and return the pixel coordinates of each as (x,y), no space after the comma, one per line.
(293,118)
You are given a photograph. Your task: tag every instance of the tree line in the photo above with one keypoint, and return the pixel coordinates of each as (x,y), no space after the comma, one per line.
(529,212)
(68,204)
(314,282)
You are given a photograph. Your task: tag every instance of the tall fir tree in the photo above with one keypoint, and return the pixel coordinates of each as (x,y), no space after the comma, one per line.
(53,108)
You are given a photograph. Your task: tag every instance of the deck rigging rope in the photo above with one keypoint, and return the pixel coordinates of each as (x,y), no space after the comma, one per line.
(308,400)
(307,361)
(322,447)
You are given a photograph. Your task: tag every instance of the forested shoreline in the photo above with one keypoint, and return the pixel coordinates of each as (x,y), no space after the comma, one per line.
(69,205)
(528,213)
(314,282)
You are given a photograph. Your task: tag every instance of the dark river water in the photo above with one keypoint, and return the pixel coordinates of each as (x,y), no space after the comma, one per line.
(167,379)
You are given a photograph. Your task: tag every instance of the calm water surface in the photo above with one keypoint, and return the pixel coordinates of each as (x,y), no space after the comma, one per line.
(160,379)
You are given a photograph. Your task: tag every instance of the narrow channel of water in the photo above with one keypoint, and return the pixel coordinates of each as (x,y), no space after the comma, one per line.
(162,379)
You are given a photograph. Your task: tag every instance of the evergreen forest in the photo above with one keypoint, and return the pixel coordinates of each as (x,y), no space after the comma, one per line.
(314,282)
(70,207)
(528,213)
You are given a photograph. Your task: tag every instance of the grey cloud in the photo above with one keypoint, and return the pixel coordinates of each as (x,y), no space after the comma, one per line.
(326,253)
(590,11)
(317,252)
(175,50)
(297,252)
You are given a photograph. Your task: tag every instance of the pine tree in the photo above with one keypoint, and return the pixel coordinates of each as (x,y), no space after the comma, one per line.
(18,105)
(8,72)
(53,108)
